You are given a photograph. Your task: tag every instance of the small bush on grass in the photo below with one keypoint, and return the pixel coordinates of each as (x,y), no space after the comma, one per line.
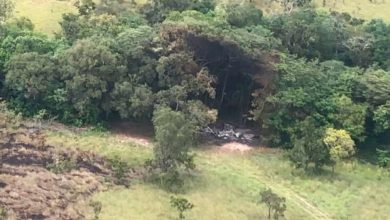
(61,164)
(182,205)
(3,213)
(97,208)
(120,169)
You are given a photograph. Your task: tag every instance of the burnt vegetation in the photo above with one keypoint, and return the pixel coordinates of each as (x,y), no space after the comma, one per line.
(316,84)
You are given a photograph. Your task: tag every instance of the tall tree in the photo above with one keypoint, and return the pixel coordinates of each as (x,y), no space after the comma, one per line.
(6,9)
(174,136)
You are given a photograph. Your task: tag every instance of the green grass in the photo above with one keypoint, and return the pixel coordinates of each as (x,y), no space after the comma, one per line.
(360,8)
(226,185)
(46,14)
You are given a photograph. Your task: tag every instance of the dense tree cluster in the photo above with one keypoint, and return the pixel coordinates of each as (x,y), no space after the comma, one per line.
(201,58)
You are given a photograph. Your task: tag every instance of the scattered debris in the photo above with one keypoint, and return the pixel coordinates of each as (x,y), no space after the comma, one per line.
(229,133)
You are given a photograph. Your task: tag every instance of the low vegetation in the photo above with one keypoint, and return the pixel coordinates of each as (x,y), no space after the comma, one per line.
(314,84)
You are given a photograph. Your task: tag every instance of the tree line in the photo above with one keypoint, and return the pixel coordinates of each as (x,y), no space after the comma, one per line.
(116,59)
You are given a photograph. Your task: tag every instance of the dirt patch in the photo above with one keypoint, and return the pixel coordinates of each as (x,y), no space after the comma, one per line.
(235,147)
(139,133)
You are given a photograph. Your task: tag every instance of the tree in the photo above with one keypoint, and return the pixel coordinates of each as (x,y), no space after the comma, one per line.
(308,147)
(311,89)
(381,42)
(350,116)
(31,79)
(85,7)
(290,5)
(6,9)
(158,10)
(90,70)
(132,100)
(174,136)
(382,118)
(182,205)
(274,203)
(373,87)
(340,144)
(241,15)
(311,34)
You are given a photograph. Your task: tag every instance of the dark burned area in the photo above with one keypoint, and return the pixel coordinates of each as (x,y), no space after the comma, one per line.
(29,189)
(242,81)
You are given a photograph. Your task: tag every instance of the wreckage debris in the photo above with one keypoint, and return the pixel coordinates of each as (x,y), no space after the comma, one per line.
(230,133)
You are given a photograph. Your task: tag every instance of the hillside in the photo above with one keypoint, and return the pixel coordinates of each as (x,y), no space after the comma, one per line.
(46,14)
(187,110)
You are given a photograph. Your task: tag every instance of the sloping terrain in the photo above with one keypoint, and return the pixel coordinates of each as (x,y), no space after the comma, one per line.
(226,183)
(41,182)
(45,14)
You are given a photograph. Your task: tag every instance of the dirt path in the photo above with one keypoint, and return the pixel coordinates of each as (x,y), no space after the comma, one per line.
(299,201)
(143,137)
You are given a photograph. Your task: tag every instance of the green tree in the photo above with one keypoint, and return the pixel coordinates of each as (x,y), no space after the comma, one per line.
(382,118)
(85,7)
(308,147)
(158,10)
(30,79)
(307,89)
(381,42)
(241,15)
(290,5)
(274,203)
(90,70)
(311,34)
(350,117)
(174,136)
(340,144)
(132,100)
(182,205)
(6,9)
(373,87)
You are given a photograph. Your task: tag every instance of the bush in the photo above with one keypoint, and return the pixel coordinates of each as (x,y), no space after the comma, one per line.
(241,15)
(120,169)
(97,208)
(383,158)
(182,205)
(61,164)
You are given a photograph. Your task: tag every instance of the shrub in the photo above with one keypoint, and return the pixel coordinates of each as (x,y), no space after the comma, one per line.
(182,205)
(120,169)
(97,208)
(383,158)
(61,164)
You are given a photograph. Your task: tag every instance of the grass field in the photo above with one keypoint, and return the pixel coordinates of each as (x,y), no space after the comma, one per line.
(46,14)
(226,185)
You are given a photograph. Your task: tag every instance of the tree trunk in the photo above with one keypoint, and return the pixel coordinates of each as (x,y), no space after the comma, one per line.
(223,90)
(269,213)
